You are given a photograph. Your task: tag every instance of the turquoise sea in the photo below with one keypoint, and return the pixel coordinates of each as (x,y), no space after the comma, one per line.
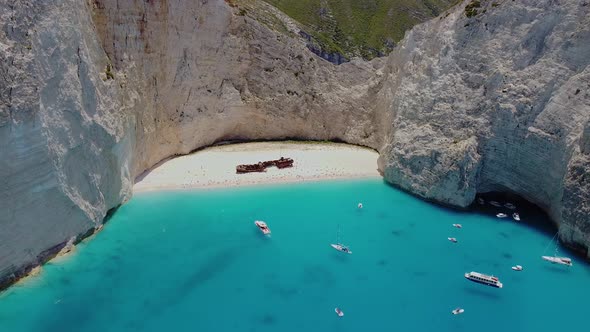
(194,261)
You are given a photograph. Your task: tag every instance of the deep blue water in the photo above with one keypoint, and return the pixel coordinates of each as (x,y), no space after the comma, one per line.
(194,261)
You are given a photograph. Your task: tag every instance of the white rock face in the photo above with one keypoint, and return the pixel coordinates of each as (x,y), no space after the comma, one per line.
(93,93)
(496,102)
(64,145)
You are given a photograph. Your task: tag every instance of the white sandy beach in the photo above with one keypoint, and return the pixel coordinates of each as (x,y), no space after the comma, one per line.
(216,166)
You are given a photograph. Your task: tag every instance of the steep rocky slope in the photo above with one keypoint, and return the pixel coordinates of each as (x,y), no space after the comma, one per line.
(495,98)
(94,93)
(64,140)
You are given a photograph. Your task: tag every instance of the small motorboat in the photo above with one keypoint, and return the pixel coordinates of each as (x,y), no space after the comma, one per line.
(339,312)
(263,227)
(501,215)
(510,206)
(457,225)
(481,201)
(360,206)
(457,311)
(452,239)
(516,216)
(341,247)
(494,203)
(517,268)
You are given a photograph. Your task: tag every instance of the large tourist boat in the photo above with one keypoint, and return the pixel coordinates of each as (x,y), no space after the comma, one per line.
(263,227)
(558,260)
(484,279)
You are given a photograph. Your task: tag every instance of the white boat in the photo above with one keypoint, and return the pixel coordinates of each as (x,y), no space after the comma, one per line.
(339,246)
(496,204)
(484,279)
(457,225)
(360,206)
(510,206)
(558,260)
(262,226)
(481,201)
(516,216)
(339,312)
(501,215)
(452,239)
(457,311)
(517,268)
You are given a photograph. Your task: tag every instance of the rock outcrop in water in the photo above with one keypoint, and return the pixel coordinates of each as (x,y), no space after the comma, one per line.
(94,93)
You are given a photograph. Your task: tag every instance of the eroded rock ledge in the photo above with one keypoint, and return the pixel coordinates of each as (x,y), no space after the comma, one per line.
(95,92)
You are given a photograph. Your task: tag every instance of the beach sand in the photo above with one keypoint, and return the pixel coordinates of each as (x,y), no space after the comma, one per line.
(216,166)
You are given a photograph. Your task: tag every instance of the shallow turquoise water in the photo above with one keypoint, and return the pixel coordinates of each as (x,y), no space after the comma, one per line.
(194,261)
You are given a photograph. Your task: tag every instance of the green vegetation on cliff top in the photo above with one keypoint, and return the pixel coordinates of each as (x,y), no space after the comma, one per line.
(365,28)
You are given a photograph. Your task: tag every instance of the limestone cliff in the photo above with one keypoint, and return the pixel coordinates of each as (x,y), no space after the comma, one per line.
(96,92)
(495,98)
(64,140)
(93,93)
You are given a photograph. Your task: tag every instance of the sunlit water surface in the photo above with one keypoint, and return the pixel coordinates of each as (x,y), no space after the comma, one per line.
(194,261)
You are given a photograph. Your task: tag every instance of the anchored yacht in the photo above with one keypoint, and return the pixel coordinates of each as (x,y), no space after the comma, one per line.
(558,260)
(484,279)
(263,227)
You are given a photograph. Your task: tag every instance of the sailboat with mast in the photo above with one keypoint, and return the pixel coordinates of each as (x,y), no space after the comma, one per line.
(339,246)
(556,259)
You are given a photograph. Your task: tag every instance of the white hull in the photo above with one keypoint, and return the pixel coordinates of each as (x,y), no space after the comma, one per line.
(458,311)
(339,312)
(516,216)
(484,279)
(341,248)
(517,268)
(558,260)
(263,227)
(501,215)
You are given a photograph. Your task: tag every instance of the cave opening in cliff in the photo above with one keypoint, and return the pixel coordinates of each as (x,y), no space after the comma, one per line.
(511,207)
(509,204)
